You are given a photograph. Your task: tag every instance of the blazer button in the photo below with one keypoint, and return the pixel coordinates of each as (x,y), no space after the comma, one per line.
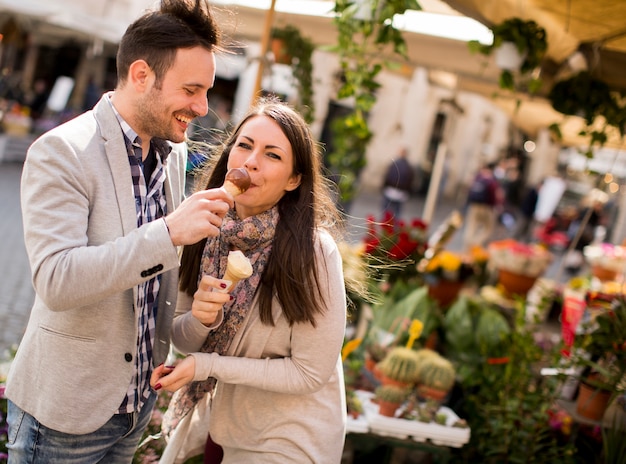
(128,357)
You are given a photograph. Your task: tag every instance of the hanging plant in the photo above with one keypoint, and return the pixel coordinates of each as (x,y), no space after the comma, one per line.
(295,50)
(365,29)
(529,39)
(589,98)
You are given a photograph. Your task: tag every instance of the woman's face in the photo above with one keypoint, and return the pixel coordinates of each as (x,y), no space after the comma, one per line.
(263,149)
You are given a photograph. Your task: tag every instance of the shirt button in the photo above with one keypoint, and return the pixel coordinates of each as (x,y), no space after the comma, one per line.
(128,357)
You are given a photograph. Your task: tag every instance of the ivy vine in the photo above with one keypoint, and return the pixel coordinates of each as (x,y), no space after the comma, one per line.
(361,43)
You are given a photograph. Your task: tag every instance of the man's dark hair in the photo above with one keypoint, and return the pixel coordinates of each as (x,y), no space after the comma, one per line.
(157,35)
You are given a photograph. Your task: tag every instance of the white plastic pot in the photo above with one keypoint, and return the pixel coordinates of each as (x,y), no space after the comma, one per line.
(508,57)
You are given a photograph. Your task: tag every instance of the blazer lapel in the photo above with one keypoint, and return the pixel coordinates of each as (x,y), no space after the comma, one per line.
(115,149)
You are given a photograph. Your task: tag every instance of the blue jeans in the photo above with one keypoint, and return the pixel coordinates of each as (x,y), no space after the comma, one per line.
(113,443)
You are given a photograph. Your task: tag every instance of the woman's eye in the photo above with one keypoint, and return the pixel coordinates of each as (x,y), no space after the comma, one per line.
(273,155)
(244,145)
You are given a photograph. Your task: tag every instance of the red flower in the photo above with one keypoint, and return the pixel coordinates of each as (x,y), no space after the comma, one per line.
(403,248)
(418,224)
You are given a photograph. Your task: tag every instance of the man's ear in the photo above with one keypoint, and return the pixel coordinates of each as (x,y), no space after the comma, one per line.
(139,74)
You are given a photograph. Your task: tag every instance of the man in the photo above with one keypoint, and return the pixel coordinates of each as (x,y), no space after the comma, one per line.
(483,200)
(397,184)
(102,212)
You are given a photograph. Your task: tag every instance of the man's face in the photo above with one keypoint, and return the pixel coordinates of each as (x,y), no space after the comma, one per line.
(167,111)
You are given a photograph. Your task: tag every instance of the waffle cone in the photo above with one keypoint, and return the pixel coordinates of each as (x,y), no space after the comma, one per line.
(238,268)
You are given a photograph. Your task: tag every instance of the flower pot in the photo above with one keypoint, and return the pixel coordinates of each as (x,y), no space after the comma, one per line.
(387,408)
(602,273)
(515,284)
(279,48)
(445,292)
(384,380)
(592,402)
(508,57)
(429,393)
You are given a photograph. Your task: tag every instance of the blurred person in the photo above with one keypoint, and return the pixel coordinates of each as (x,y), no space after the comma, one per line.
(267,357)
(101,202)
(397,185)
(483,202)
(525,220)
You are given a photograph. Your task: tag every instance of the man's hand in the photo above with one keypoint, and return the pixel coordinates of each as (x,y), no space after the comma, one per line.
(198,216)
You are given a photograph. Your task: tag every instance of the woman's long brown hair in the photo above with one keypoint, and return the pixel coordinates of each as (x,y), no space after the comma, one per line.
(291,270)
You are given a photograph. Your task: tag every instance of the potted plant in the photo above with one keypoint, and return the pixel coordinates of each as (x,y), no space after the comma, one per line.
(518,264)
(400,366)
(392,247)
(445,274)
(290,47)
(436,377)
(390,398)
(353,404)
(527,38)
(587,97)
(602,351)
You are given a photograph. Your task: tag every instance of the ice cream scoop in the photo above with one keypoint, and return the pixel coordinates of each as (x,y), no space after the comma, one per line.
(237,268)
(237,181)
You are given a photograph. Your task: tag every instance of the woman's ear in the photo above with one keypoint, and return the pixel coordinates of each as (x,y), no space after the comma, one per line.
(294,182)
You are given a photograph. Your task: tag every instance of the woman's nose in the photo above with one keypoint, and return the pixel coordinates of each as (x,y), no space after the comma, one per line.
(251,164)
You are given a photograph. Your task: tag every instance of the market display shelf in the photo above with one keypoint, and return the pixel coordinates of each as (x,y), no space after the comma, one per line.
(441,435)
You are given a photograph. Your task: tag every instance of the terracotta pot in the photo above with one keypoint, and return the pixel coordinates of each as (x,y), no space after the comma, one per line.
(370,364)
(444,292)
(515,284)
(386,408)
(592,402)
(604,274)
(384,380)
(432,341)
(429,393)
(278,50)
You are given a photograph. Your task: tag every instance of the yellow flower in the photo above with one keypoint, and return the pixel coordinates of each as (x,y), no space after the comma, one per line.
(479,254)
(349,347)
(415,330)
(450,261)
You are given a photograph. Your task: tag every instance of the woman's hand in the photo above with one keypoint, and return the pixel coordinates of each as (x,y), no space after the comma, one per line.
(209,299)
(172,378)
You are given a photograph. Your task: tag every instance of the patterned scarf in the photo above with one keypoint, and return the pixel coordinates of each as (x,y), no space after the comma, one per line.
(254,237)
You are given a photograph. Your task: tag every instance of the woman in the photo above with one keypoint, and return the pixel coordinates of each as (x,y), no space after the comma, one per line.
(273,343)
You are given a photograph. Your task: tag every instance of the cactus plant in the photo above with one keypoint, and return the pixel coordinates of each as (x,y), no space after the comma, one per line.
(401,364)
(436,373)
(389,398)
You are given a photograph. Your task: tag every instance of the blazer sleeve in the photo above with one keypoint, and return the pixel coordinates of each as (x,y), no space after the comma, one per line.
(314,350)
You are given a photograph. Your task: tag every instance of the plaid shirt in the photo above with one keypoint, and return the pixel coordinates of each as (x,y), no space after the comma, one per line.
(150,205)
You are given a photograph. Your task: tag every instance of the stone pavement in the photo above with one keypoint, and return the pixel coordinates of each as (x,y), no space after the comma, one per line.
(15,285)
(15,282)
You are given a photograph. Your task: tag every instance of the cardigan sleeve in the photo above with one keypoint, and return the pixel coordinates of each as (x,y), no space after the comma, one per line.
(314,351)
(188,333)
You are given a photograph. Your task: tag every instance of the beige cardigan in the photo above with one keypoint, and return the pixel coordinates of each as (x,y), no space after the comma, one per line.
(280,390)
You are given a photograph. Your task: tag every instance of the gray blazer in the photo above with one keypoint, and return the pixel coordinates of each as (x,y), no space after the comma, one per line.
(74,364)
